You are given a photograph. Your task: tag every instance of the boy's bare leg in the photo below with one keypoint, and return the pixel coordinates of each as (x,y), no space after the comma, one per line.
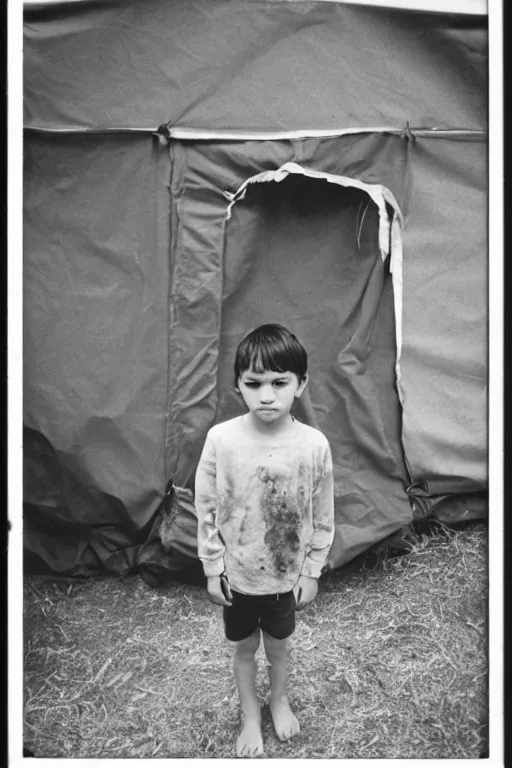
(285,722)
(250,741)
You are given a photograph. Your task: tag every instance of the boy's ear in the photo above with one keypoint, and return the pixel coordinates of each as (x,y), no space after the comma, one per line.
(302,386)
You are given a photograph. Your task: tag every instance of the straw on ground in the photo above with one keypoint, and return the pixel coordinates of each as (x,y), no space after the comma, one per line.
(389,662)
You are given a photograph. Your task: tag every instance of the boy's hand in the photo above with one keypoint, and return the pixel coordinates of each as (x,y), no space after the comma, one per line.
(305,591)
(216,593)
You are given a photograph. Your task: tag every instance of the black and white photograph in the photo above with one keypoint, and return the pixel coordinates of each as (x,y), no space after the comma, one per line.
(258,486)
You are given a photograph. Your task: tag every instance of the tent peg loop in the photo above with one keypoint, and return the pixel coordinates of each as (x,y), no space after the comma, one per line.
(163,134)
(407,134)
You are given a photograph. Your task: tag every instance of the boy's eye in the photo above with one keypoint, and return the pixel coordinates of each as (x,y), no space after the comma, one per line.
(252,384)
(280,383)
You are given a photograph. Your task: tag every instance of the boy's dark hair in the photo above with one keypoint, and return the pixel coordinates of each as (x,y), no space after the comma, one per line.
(271,348)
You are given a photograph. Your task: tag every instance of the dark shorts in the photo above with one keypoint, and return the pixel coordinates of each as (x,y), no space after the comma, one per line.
(274,614)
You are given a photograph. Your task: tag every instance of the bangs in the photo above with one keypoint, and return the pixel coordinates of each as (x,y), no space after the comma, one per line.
(262,359)
(271,348)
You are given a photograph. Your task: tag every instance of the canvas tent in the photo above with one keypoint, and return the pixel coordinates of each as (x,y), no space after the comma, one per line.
(193,168)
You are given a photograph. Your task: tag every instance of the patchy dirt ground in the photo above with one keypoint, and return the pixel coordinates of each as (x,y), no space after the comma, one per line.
(389,662)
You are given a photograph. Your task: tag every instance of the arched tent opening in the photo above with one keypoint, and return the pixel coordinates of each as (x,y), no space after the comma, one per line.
(311,250)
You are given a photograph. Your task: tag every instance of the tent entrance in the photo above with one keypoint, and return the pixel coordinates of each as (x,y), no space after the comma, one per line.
(307,253)
(313,255)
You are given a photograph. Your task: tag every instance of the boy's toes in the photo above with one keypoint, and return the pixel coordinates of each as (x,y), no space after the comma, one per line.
(250,741)
(289,729)
(248,750)
(285,722)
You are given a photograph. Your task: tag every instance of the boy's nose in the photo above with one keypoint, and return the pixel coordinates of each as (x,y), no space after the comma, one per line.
(267,394)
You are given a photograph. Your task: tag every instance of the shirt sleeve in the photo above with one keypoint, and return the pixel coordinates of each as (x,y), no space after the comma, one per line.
(210,547)
(323,518)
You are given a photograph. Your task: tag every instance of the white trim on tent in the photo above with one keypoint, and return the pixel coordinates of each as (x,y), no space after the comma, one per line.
(396,269)
(206,134)
(391,246)
(242,134)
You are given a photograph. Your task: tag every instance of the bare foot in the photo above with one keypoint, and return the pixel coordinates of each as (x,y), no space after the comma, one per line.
(250,741)
(285,722)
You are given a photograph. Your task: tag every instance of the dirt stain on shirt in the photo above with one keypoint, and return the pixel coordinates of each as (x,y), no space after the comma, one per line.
(282,519)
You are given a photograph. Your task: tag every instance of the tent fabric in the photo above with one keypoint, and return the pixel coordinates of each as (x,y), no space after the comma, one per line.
(138,284)
(96,231)
(443,361)
(252,65)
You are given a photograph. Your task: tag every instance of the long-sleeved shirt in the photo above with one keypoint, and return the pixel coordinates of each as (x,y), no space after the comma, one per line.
(265,506)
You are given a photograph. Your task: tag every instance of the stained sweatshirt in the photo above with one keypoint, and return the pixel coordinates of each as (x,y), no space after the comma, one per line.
(265,506)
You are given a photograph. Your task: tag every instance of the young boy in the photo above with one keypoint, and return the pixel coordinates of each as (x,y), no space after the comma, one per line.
(265,505)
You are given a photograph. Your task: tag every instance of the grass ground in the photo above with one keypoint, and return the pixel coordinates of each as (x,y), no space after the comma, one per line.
(389,662)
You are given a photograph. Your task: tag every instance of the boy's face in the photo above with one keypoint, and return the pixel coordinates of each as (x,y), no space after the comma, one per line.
(269,395)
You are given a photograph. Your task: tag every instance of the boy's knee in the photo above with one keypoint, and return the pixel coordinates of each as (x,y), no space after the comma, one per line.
(247,647)
(276,650)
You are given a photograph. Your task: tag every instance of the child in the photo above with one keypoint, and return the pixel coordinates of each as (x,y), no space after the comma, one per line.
(265,505)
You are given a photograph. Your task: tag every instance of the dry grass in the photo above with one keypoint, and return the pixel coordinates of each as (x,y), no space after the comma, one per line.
(390,662)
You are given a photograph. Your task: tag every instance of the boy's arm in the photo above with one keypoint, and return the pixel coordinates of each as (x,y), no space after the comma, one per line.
(210,547)
(323,519)
(323,534)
